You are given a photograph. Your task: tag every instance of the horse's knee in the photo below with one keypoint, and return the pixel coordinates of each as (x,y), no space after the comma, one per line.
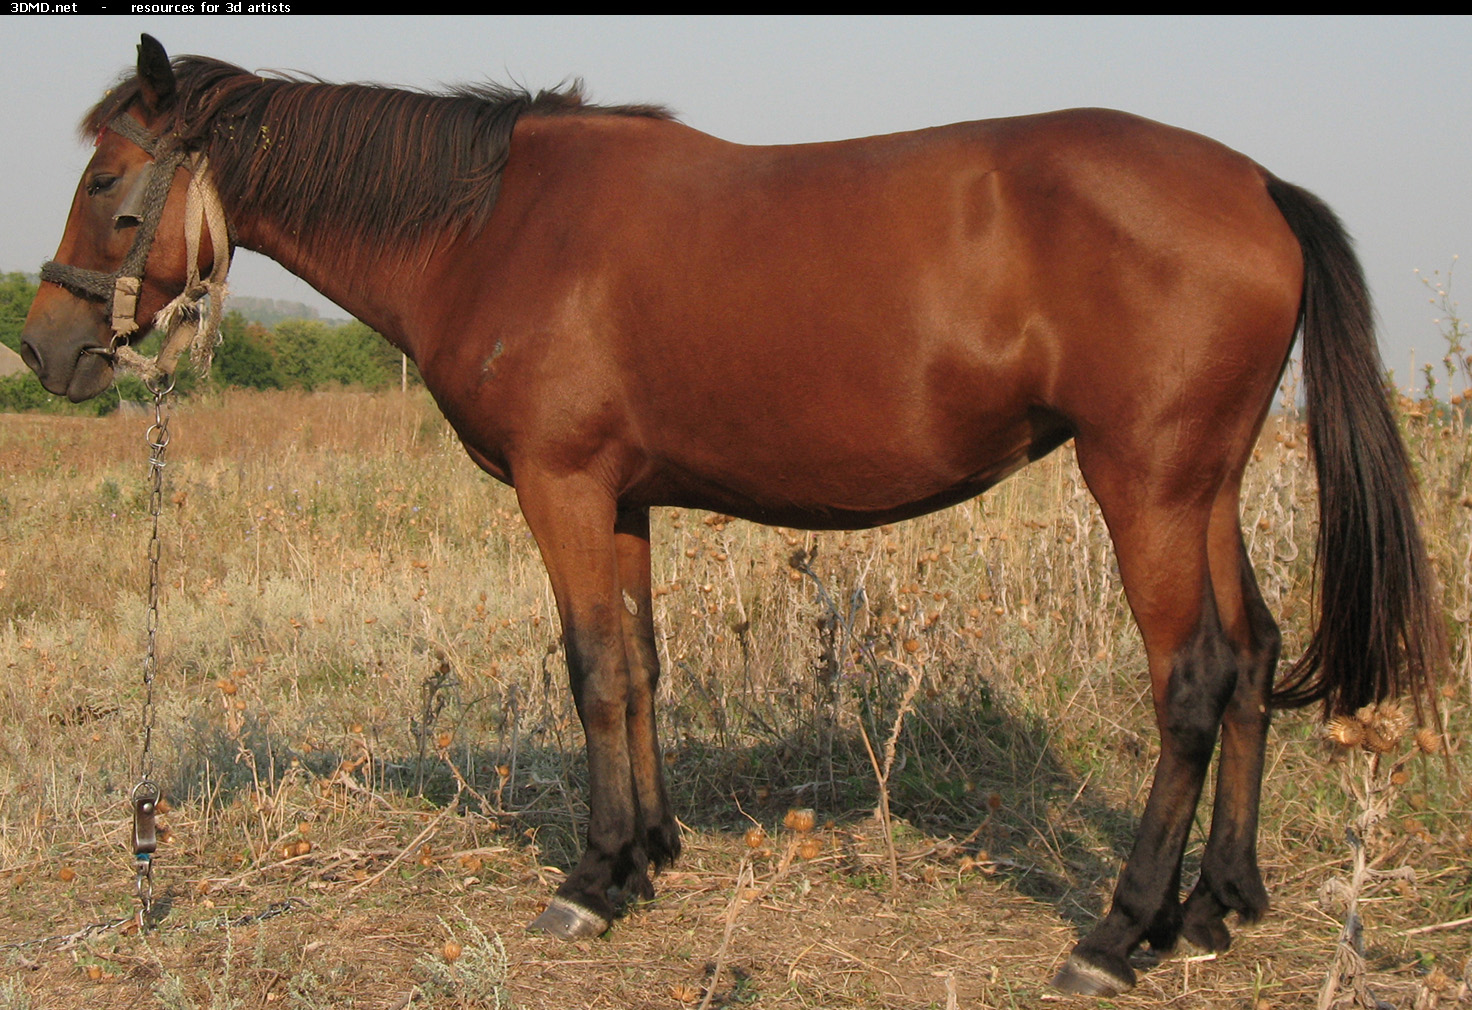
(602,714)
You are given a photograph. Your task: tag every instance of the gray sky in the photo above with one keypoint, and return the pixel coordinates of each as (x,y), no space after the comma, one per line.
(1374,115)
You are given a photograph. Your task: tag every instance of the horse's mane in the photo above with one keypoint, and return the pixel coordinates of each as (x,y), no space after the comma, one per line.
(383,164)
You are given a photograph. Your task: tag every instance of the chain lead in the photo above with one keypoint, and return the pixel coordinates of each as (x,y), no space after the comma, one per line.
(146,793)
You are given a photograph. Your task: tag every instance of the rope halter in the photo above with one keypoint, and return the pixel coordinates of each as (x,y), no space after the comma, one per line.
(183,321)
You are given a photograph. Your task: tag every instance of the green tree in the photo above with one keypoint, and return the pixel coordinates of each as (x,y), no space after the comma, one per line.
(22,391)
(355,356)
(310,353)
(244,356)
(296,345)
(16,295)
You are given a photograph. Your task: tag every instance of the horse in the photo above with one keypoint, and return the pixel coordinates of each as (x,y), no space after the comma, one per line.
(615,311)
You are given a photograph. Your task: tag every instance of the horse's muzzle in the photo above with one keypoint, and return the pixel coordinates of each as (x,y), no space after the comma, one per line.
(60,343)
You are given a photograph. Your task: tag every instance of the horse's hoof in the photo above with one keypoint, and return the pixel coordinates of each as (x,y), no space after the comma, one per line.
(567,921)
(1208,934)
(1078,977)
(636,890)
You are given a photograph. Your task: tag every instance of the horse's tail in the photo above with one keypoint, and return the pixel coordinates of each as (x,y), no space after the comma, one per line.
(1379,631)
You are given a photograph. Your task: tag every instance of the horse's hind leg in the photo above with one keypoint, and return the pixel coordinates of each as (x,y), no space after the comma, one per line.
(1159,514)
(1230,879)
(661,835)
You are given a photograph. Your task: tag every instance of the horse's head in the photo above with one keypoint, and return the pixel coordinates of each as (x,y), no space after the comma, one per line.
(127,249)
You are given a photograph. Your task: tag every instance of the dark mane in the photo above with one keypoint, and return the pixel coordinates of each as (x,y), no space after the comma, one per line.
(383,163)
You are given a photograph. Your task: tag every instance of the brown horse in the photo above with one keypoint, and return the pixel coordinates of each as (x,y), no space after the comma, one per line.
(616,311)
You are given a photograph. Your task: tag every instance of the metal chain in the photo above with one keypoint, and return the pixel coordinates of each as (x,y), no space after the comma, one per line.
(146,793)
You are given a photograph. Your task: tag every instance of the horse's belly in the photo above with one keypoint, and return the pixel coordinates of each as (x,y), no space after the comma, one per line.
(844,483)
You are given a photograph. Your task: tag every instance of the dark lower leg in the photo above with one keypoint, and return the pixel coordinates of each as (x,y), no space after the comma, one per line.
(658,832)
(613,856)
(661,835)
(1230,878)
(1146,901)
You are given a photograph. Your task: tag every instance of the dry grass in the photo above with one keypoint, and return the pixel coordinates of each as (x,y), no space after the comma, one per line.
(356,629)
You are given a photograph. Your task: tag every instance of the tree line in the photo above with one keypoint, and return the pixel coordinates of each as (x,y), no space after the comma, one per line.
(292,354)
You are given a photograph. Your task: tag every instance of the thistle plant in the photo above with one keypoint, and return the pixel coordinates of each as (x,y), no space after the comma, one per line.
(1376,769)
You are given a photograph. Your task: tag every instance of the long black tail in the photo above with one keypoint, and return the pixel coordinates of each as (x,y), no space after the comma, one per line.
(1379,631)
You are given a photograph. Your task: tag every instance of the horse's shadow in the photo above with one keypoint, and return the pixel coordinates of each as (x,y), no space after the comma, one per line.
(970,774)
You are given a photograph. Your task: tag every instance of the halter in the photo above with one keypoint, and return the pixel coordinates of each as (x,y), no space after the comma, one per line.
(183,320)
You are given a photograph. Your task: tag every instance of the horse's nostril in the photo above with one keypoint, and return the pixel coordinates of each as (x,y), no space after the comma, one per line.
(30,357)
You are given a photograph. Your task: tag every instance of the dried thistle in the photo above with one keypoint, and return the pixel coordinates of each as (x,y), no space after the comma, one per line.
(1384,725)
(1392,721)
(1346,731)
(800,820)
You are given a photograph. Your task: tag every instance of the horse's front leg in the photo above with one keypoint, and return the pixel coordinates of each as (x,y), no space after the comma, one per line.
(661,834)
(573,520)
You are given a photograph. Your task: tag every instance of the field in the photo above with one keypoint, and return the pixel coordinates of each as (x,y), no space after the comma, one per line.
(374,769)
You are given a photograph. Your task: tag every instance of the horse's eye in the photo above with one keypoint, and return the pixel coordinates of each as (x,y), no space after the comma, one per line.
(101,184)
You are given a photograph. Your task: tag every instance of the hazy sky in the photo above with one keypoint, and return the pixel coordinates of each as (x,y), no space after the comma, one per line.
(1374,115)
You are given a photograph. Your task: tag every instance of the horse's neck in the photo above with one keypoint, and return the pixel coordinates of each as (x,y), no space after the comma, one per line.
(372,292)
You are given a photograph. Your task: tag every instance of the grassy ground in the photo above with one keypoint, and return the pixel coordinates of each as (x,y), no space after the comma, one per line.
(363,728)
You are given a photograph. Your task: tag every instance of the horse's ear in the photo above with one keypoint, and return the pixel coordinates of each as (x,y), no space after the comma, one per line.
(154,72)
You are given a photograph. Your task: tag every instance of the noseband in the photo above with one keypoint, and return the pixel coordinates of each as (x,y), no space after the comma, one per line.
(183,320)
